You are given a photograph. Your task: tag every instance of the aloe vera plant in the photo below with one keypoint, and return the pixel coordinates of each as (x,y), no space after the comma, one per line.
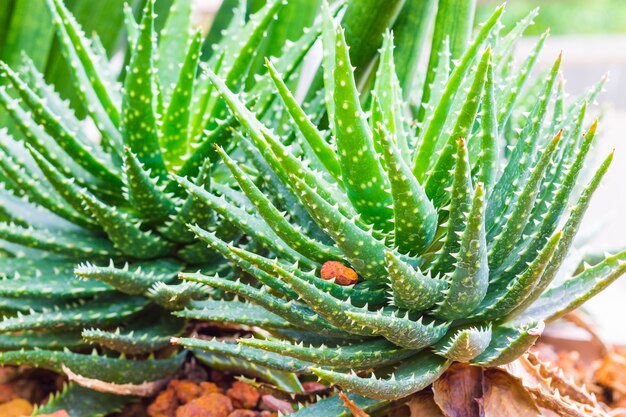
(456,214)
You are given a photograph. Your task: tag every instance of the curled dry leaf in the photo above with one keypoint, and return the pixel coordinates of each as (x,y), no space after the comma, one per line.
(458,389)
(551,390)
(146,389)
(505,396)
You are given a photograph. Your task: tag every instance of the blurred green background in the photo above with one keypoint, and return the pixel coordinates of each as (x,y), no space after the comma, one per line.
(563,17)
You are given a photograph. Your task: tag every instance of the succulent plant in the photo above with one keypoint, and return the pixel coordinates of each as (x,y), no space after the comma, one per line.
(457,215)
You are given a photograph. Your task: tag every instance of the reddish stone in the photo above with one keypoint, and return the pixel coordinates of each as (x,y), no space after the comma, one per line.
(209,405)
(244,413)
(209,387)
(164,405)
(243,395)
(16,408)
(341,273)
(311,386)
(185,390)
(271,403)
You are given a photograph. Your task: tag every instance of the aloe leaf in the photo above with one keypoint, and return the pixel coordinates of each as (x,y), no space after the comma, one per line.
(75,44)
(362,174)
(489,157)
(57,287)
(100,312)
(80,152)
(464,344)
(103,368)
(411,289)
(335,407)
(258,356)
(174,40)
(138,119)
(569,231)
(515,88)
(413,375)
(145,195)
(192,211)
(460,203)
(24,32)
(275,154)
(139,338)
(423,154)
(439,178)
(561,188)
(35,136)
(521,157)
(309,131)
(293,237)
(131,26)
(402,331)
(330,308)
(80,401)
(242,259)
(359,355)
(235,312)
(134,281)
(176,296)
(364,251)
(389,99)
(246,43)
(70,244)
(175,127)
(250,224)
(503,242)
(415,218)
(365,22)
(470,279)
(509,342)
(410,31)
(289,310)
(123,231)
(38,193)
(283,380)
(453,23)
(363,293)
(502,301)
(45,339)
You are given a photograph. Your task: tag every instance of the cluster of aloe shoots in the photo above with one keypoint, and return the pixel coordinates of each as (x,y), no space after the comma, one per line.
(215,185)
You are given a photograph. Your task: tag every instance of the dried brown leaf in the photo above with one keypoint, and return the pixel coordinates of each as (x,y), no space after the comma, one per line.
(354,409)
(423,405)
(551,390)
(505,396)
(458,389)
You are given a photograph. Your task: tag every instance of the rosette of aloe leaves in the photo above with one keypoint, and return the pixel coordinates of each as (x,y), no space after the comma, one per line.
(455,214)
(448,190)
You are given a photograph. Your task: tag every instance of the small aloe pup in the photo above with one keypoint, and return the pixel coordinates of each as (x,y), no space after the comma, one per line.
(102,205)
(457,215)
